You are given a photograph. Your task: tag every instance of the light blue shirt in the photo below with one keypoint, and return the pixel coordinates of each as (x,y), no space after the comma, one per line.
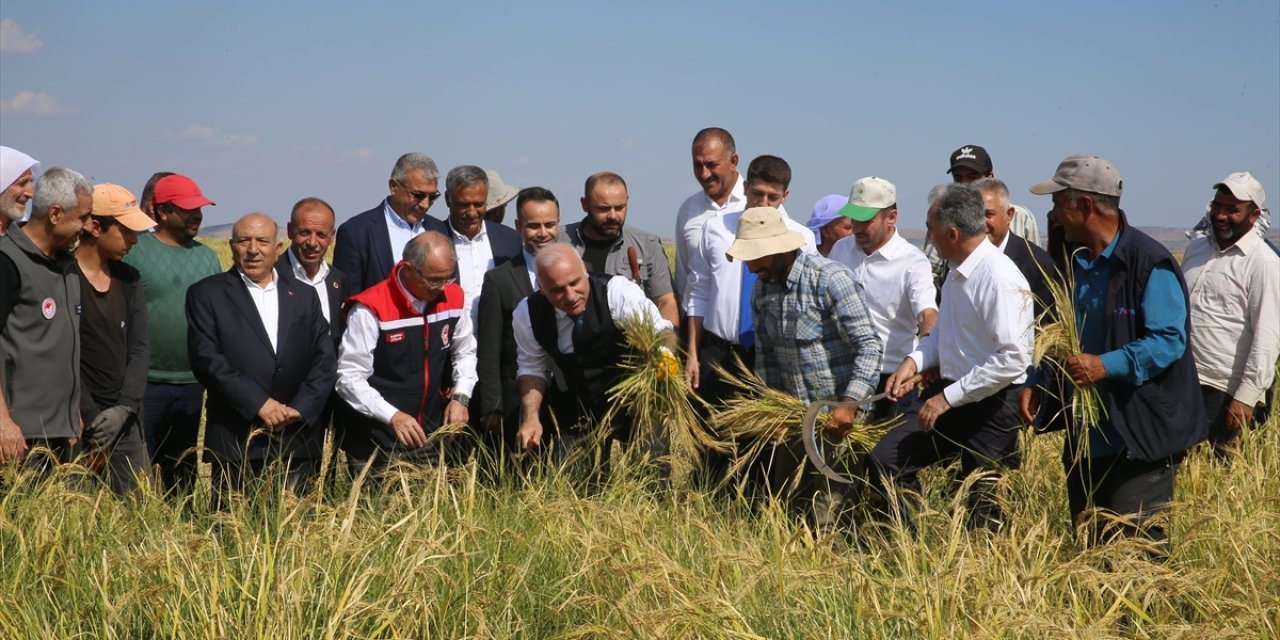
(399,231)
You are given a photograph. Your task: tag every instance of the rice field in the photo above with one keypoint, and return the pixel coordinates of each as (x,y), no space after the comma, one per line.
(478,551)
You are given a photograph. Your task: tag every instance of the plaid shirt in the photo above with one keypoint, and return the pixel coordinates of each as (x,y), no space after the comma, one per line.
(814,335)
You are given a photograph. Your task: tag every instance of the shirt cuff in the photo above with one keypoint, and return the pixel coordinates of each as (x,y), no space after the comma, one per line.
(383,411)
(1248,394)
(954,394)
(1116,365)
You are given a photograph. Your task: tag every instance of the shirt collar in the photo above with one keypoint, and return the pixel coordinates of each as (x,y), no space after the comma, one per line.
(301,272)
(418,305)
(1246,243)
(979,254)
(793,278)
(1086,263)
(892,247)
(397,220)
(1004,243)
(271,286)
(483,234)
(737,197)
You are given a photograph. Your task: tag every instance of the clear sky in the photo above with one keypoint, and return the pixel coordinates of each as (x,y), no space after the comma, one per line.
(267,102)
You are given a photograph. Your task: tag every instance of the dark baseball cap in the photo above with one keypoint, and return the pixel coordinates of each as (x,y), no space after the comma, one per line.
(971,156)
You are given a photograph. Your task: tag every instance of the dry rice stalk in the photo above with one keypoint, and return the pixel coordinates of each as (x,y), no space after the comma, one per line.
(654,396)
(761,416)
(1059,339)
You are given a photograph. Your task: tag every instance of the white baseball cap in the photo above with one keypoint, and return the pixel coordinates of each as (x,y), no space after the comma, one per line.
(868,197)
(1244,187)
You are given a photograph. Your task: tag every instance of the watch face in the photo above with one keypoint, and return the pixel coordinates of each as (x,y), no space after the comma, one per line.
(462,398)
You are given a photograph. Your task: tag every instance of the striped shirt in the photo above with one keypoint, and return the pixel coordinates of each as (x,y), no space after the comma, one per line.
(814,335)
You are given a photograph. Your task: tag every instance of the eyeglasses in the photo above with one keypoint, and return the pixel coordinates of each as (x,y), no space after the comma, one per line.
(434,283)
(419,196)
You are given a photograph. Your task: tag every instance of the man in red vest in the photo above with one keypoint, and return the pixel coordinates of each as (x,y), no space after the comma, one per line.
(407,344)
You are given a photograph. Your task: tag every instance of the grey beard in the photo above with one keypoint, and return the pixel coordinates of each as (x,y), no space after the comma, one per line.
(13,213)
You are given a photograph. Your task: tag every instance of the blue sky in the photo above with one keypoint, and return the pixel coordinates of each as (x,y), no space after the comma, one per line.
(264,103)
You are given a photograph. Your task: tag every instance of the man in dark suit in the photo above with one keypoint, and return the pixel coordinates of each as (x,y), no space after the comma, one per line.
(261,347)
(1034,263)
(538,223)
(370,243)
(310,232)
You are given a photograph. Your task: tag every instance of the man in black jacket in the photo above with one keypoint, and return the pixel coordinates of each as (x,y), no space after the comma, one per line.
(538,223)
(115,350)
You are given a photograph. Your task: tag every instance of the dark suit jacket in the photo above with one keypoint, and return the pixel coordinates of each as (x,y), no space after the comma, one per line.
(1036,266)
(363,249)
(231,356)
(504,287)
(336,284)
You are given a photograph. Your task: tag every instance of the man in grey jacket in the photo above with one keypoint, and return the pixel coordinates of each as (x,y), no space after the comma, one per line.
(40,321)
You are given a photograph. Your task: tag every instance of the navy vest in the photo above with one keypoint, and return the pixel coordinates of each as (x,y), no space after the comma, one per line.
(594,366)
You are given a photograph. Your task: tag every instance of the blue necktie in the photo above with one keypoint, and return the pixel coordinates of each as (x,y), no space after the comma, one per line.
(746,326)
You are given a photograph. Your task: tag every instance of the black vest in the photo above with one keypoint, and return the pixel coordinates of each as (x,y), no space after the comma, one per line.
(594,366)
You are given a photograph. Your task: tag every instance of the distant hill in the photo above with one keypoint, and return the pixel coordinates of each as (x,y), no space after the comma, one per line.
(223,231)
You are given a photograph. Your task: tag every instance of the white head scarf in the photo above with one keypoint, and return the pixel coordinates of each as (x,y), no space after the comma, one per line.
(13,164)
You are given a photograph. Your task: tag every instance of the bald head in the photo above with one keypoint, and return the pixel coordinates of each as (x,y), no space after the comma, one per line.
(432,265)
(254,247)
(429,245)
(562,278)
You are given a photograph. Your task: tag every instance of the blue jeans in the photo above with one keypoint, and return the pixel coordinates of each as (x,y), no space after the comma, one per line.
(171,426)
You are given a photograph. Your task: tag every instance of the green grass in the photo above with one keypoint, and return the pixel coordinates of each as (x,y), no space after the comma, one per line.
(445,557)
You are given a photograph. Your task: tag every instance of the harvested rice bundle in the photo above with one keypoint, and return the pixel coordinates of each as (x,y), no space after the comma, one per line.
(760,416)
(1056,341)
(653,395)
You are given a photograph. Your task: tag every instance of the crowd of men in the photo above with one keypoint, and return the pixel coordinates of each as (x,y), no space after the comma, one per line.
(114,341)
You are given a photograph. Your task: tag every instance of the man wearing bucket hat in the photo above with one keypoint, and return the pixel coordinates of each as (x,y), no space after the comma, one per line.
(814,336)
(170,260)
(500,194)
(895,276)
(826,223)
(1131,316)
(114,349)
(1234,283)
(40,320)
(17,178)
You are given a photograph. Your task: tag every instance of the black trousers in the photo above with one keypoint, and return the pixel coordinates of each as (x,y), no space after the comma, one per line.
(715,352)
(1135,489)
(983,435)
(1215,410)
(885,408)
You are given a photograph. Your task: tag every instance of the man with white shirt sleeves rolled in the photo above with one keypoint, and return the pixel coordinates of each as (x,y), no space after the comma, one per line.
(981,346)
(896,277)
(575,320)
(407,341)
(1234,282)
(715,166)
(719,301)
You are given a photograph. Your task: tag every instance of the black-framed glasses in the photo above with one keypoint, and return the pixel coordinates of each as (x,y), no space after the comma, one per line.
(419,196)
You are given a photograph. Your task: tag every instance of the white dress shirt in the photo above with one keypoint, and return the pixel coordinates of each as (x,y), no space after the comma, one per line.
(715,283)
(985,329)
(693,213)
(268,304)
(475,258)
(355,359)
(1235,315)
(316,283)
(529,266)
(897,284)
(626,300)
(399,231)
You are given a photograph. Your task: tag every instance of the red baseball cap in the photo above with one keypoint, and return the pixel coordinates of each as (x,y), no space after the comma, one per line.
(180,190)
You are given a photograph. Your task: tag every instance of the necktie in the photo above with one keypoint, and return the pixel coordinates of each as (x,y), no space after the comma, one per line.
(746,324)
(578,324)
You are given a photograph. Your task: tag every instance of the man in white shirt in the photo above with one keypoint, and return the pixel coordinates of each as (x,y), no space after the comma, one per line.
(719,298)
(575,320)
(1234,282)
(715,166)
(260,346)
(407,339)
(981,349)
(481,245)
(896,281)
(310,231)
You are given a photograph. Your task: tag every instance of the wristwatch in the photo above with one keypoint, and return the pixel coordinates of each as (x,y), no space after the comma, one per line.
(462,398)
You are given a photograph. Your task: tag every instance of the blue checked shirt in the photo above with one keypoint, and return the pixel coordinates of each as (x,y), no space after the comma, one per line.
(814,336)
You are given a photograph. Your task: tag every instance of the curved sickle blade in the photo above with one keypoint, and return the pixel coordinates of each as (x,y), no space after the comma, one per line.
(812,448)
